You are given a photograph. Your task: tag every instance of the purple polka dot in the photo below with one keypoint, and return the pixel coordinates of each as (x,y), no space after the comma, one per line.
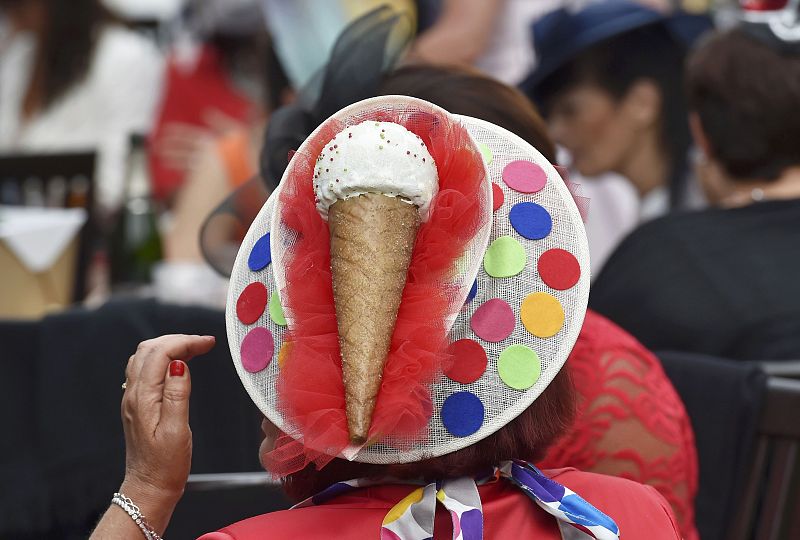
(462,414)
(524,176)
(472,524)
(257,349)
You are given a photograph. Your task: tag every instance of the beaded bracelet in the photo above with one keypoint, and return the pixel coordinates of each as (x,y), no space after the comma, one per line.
(136,515)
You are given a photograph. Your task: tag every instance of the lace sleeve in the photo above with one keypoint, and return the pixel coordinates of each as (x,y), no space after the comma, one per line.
(630,422)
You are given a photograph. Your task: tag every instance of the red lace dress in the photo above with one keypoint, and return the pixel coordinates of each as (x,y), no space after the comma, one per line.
(630,422)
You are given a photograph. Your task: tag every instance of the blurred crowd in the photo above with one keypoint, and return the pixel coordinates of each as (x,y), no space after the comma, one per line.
(172,100)
(677,119)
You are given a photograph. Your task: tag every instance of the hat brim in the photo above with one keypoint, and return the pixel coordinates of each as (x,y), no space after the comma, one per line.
(500,402)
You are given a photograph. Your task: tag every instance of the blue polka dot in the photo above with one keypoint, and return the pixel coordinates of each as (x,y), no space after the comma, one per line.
(260,256)
(530,220)
(472,292)
(462,414)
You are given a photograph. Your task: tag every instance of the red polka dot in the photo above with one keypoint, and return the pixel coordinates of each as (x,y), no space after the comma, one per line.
(559,269)
(465,361)
(251,303)
(498,197)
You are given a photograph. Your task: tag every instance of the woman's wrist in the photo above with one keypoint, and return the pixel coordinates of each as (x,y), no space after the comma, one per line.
(156,504)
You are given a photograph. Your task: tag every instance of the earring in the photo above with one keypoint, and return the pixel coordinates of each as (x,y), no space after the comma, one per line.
(698,157)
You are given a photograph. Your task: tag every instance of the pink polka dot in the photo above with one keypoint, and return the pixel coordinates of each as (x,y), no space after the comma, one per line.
(524,176)
(386,534)
(257,349)
(456,524)
(493,321)
(498,197)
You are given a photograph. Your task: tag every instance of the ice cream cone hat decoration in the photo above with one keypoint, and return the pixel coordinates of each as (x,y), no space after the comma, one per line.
(373,190)
(413,285)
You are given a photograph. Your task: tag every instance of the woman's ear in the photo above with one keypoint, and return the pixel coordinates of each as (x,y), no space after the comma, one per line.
(642,103)
(699,134)
(715,184)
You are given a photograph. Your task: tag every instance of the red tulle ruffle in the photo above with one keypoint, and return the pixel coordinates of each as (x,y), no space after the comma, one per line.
(310,389)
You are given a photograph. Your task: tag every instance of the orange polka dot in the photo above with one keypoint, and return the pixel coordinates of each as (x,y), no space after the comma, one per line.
(542,314)
(283,354)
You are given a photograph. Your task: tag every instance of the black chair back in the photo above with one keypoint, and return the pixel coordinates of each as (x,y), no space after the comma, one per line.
(769,507)
(747,431)
(212,501)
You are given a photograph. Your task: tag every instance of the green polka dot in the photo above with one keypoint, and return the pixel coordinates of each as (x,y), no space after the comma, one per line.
(276,310)
(519,367)
(504,258)
(486,153)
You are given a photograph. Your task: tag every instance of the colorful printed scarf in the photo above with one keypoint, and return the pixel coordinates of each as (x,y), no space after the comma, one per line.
(412,518)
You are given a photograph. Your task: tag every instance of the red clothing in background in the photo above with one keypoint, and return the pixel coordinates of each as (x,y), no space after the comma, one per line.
(630,421)
(190,93)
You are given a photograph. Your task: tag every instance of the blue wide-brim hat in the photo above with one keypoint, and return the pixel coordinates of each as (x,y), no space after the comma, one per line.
(563,34)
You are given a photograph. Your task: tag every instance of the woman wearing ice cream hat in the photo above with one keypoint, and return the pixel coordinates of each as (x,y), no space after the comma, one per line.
(433,391)
(442,412)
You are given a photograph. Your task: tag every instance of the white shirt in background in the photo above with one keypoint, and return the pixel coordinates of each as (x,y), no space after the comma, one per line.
(510,56)
(613,214)
(117,97)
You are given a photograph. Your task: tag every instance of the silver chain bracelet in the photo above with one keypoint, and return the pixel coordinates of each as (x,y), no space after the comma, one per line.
(136,515)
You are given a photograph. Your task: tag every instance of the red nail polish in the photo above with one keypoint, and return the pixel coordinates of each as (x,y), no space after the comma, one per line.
(176,368)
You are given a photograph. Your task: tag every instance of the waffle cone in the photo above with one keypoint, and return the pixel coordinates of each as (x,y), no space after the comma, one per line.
(372,237)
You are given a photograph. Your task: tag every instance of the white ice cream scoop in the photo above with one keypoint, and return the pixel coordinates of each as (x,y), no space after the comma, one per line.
(376,157)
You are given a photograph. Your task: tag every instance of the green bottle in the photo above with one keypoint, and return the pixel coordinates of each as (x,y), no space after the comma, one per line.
(135,242)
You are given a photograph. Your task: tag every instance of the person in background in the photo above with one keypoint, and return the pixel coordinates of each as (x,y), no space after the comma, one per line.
(490,35)
(222,80)
(495,37)
(213,119)
(304,32)
(217,165)
(722,281)
(72,77)
(610,83)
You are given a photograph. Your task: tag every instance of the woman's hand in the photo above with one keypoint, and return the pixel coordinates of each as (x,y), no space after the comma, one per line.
(180,143)
(158,441)
(155,412)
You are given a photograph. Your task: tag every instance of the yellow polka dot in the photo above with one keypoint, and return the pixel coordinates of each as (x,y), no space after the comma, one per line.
(542,314)
(401,507)
(283,354)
